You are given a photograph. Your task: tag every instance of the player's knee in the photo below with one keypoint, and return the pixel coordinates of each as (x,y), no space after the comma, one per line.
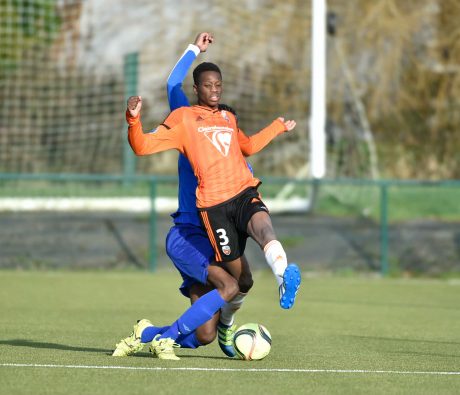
(206,334)
(223,282)
(230,289)
(245,283)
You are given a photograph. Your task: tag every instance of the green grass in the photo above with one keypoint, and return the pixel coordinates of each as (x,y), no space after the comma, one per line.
(404,202)
(371,324)
(90,189)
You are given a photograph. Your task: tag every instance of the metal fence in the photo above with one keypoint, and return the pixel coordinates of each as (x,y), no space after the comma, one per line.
(379,220)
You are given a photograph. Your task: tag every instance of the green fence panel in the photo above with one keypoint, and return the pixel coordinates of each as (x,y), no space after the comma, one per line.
(131,65)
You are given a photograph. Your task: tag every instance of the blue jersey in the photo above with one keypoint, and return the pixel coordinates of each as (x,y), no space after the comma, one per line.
(187,212)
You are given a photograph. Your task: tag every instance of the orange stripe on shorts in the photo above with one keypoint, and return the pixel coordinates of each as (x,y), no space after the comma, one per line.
(210,233)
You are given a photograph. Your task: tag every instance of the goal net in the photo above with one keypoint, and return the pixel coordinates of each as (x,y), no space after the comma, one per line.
(62,82)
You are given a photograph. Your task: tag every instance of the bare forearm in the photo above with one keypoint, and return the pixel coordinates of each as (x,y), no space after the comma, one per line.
(255,143)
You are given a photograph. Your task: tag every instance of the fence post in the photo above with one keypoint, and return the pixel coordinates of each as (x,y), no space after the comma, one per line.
(130,71)
(153,227)
(384,228)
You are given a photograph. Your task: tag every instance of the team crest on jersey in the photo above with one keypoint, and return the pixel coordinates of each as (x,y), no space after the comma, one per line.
(225,116)
(226,250)
(219,136)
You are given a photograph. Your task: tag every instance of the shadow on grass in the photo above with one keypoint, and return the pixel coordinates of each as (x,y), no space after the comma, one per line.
(148,355)
(55,346)
(407,349)
(393,339)
(384,303)
(424,354)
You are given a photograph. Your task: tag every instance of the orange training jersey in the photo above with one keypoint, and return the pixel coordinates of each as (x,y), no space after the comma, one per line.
(213,144)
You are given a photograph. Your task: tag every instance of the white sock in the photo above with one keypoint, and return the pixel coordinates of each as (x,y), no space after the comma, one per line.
(276,259)
(227,312)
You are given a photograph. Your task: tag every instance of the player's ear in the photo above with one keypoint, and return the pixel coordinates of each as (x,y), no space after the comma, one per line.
(195,89)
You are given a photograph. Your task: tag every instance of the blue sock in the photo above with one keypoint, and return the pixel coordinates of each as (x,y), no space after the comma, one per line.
(188,341)
(150,332)
(197,314)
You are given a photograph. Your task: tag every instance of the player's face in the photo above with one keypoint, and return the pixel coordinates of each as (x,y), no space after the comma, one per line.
(209,89)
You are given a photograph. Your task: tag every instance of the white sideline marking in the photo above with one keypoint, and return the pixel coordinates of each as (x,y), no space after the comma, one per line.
(158,368)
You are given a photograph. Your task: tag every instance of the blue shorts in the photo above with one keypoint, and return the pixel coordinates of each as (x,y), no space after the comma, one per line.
(189,248)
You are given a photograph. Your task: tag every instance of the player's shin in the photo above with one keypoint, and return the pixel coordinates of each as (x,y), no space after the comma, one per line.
(197,314)
(226,326)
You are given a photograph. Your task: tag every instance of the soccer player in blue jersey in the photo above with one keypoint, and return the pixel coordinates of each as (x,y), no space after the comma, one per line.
(187,243)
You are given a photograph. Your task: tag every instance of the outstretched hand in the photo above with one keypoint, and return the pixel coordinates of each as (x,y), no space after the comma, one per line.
(288,124)
(203,40)
(134,105)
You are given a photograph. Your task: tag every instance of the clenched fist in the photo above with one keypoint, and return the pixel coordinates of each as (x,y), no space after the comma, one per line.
(134,105)
(203,40)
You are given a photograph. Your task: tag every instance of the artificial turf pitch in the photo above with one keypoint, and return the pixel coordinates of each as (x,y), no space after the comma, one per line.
(344,335)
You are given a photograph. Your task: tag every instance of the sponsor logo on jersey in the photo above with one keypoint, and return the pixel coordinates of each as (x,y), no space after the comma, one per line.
(219,136)
(226,250)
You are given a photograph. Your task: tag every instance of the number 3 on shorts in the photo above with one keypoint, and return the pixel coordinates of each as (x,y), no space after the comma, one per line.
(222,236)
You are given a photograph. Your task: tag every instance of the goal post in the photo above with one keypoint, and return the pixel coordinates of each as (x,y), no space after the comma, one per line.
(318,91)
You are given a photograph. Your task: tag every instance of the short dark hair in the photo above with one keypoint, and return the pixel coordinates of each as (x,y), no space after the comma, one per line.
(201,68)
(226,107)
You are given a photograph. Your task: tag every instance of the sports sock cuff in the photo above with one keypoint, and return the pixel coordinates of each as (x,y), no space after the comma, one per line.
(238,299)
(228,311)
(150,332)
(188,341)
(269,244)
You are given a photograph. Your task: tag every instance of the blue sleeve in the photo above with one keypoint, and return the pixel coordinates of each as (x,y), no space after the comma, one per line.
(176,96)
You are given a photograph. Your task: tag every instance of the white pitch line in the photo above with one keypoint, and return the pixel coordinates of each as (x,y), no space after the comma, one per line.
(158,368)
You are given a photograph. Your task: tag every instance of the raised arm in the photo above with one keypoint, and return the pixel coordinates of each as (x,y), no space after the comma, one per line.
(161,139)
(176,96)
(252,144)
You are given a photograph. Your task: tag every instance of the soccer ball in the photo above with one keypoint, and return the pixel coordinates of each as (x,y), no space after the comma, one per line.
(252,342)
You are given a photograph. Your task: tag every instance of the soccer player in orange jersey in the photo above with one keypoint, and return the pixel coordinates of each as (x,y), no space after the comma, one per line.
(230,206)
(187,243)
